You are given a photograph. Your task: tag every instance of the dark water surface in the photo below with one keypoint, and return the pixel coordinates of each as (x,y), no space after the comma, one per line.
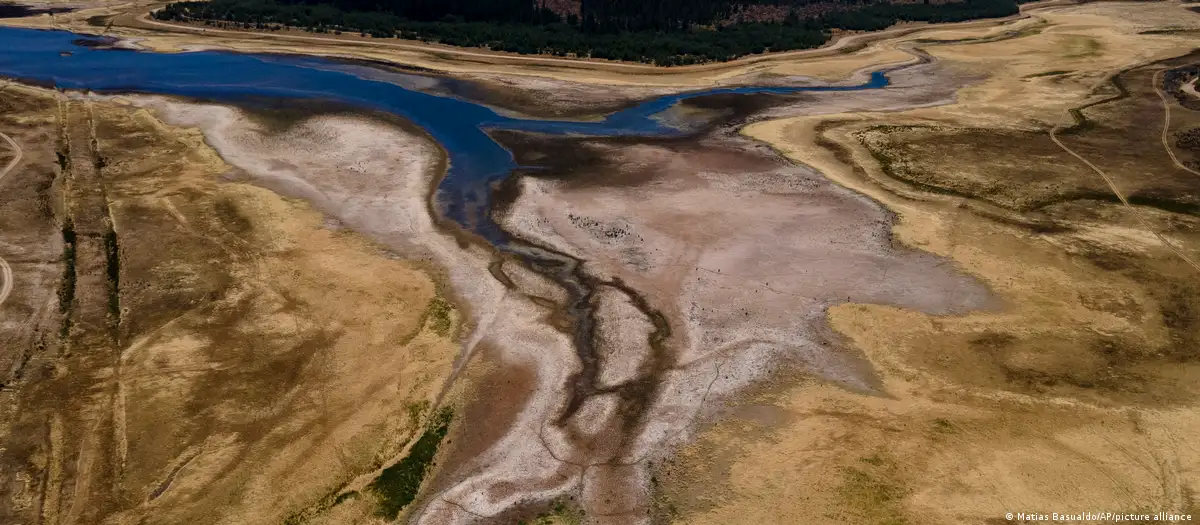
(69,61)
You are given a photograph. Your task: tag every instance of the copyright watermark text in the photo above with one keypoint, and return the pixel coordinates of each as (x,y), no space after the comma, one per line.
(1095,517)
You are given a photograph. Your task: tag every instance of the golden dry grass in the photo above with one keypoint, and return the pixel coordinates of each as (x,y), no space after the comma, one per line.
(1071,396)
(300,375)
(264,359)
(1074,395)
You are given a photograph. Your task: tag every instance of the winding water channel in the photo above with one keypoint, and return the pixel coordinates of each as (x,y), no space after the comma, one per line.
(72,61)
(463,128)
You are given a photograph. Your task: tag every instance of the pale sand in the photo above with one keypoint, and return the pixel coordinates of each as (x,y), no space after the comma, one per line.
(743,254)
(1190,87)
(389,206)
(353,179)
(322,160)
(347,167)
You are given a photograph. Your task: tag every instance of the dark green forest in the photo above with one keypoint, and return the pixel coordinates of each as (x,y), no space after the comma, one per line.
(663,32)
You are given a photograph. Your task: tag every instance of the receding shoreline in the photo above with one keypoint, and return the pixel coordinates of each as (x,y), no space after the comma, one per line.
(576,410)
(170,37)
(290,122)
(786,296)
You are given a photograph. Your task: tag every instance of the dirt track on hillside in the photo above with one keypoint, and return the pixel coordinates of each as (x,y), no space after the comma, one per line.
(5,270)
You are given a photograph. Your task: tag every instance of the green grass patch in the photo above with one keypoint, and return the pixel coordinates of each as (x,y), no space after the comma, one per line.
(439,316)
(560,513)
(414,410)
(397,485)
(328,501)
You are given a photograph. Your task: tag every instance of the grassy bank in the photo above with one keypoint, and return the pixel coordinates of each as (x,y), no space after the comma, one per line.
(676,45)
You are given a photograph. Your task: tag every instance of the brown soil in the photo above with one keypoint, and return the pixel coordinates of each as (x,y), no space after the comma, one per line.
(823,354)
(229,358)
(30,319)
(1078,392)
(738,252)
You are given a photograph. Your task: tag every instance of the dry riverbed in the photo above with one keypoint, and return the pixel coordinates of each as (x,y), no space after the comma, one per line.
(908,305)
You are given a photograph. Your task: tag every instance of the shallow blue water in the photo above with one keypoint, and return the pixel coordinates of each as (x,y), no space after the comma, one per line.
(476,161)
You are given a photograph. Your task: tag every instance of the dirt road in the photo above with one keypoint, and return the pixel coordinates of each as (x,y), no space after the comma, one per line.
(1166,130)
(5,269)
(1112,185)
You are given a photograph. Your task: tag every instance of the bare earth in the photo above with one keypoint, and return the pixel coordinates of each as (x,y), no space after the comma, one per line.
(967,294)
(258,361)
(1190,88)
(992,412)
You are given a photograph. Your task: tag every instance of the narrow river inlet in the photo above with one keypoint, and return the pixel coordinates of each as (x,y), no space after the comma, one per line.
(260,269)
(71,61)
(634,267)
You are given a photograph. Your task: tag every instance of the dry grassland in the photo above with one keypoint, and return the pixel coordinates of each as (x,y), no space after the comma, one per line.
(1081,392)
(288,371)
(250,362)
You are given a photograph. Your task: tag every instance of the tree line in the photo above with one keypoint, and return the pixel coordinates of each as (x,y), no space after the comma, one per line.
(663,32)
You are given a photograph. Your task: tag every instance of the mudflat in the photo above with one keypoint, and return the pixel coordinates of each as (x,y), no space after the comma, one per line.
(965,294)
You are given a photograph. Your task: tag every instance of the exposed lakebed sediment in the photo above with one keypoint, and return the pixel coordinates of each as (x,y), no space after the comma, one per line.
(637,266)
